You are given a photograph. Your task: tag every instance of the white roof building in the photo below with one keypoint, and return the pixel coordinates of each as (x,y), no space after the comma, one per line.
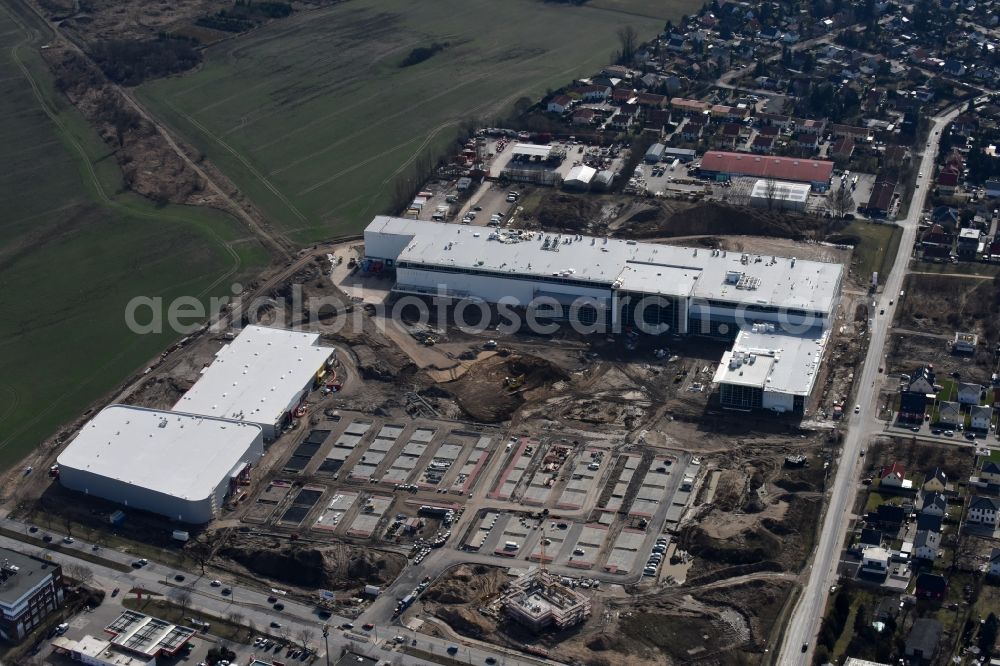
(259,377)
(178,465)
(776,366)
(779,194)
(579,177)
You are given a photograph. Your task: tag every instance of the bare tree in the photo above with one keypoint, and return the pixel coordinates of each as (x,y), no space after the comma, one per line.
(840,202)
(629,40)
(182,597)
(770,192)
(305,637)
(81,574)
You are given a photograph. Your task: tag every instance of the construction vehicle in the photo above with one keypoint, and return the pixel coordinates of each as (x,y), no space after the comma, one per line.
(513,383)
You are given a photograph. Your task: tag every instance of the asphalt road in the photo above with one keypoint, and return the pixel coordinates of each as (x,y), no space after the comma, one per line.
(805,620)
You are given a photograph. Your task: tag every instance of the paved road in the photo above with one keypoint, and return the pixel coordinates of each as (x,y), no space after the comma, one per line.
(804,623)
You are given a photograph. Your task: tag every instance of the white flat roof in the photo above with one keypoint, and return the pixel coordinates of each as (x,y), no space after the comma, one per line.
(581,173)
(256,376)
(621,264)
(776,361)
(531,149)
(182,455)
(783,190)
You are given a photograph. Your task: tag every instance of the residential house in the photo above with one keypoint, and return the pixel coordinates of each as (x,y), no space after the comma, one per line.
(982,417)
(949,413)
(935,481)
(594,93)
(689,106)
(559,104)
(875,559)
(693,129)
(921,381)
(931,586)
(926,521)
(923,639)
(886,517)
(896,155)
(947,181)
(806,141)
(882,195)
(584,116)
(995,562)
(730,134)
(926,545)
(983,510)
(870,537)
(893,476)
(651,100)
(773,120)
(968,243)
(622,95)
(969,394)
(762,145)
(657,118)
(934,504)
(856,133)
(809,126)
(842,148)
(954,67)
(990,473)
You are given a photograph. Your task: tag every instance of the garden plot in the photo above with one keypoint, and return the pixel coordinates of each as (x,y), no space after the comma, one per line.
(365,523)
(583,545)
(339,505)
(403,466)
(545,477)
(626,553)
(614,503)
(344,446)
(512,474)
(474,464)
(303,503)
(440,465)
(477,538)
(306,450)
(586,470)
(514,537)
(267,501)
(653,490)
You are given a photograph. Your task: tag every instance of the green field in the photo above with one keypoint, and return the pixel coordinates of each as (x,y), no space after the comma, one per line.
(313,117)
(74,250)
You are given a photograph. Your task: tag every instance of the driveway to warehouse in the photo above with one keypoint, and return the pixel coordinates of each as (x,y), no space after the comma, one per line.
(804,622)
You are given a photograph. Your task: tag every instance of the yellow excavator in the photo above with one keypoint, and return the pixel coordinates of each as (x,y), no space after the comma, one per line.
(513,383)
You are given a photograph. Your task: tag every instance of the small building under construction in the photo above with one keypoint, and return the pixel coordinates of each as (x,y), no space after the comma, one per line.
(538,601)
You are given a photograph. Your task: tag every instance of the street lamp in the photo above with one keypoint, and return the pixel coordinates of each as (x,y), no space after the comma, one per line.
(326,642)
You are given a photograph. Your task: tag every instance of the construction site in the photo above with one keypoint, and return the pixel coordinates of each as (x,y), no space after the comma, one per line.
(585,494)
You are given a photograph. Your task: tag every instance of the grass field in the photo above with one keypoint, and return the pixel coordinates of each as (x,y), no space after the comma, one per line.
(314,118)
(877,249)
(74,250)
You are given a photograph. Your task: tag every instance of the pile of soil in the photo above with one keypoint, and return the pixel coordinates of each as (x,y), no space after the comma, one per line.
(658,221)
(481,393)
(336,567)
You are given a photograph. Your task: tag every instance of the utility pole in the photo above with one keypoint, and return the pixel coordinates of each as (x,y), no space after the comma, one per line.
(326,642)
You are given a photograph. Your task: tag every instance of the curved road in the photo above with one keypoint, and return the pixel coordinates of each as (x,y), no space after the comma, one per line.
(805,620)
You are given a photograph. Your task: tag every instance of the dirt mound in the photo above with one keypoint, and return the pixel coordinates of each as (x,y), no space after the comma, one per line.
(564,212)
(336,567)
(465,621)
(481,392)
(720,219)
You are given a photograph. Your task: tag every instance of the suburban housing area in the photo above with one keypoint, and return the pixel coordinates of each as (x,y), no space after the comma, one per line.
(690,358)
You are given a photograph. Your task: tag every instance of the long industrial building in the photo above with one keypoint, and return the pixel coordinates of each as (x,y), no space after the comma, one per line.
(699,289)
(181,466)
(609,284)
(260,378)
(723,165)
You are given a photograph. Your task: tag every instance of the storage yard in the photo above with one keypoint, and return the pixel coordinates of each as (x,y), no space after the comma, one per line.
(596,464)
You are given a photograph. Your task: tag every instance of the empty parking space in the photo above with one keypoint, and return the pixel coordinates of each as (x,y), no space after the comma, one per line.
(365,523)
(513,472)
(628,467)
(465,481)
(339,505)
(586,470)
(626,554)
(653,490)
(583,545)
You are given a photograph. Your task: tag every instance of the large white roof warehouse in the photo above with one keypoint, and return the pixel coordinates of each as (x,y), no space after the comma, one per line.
(179,465)
(608,263)
(259,377)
